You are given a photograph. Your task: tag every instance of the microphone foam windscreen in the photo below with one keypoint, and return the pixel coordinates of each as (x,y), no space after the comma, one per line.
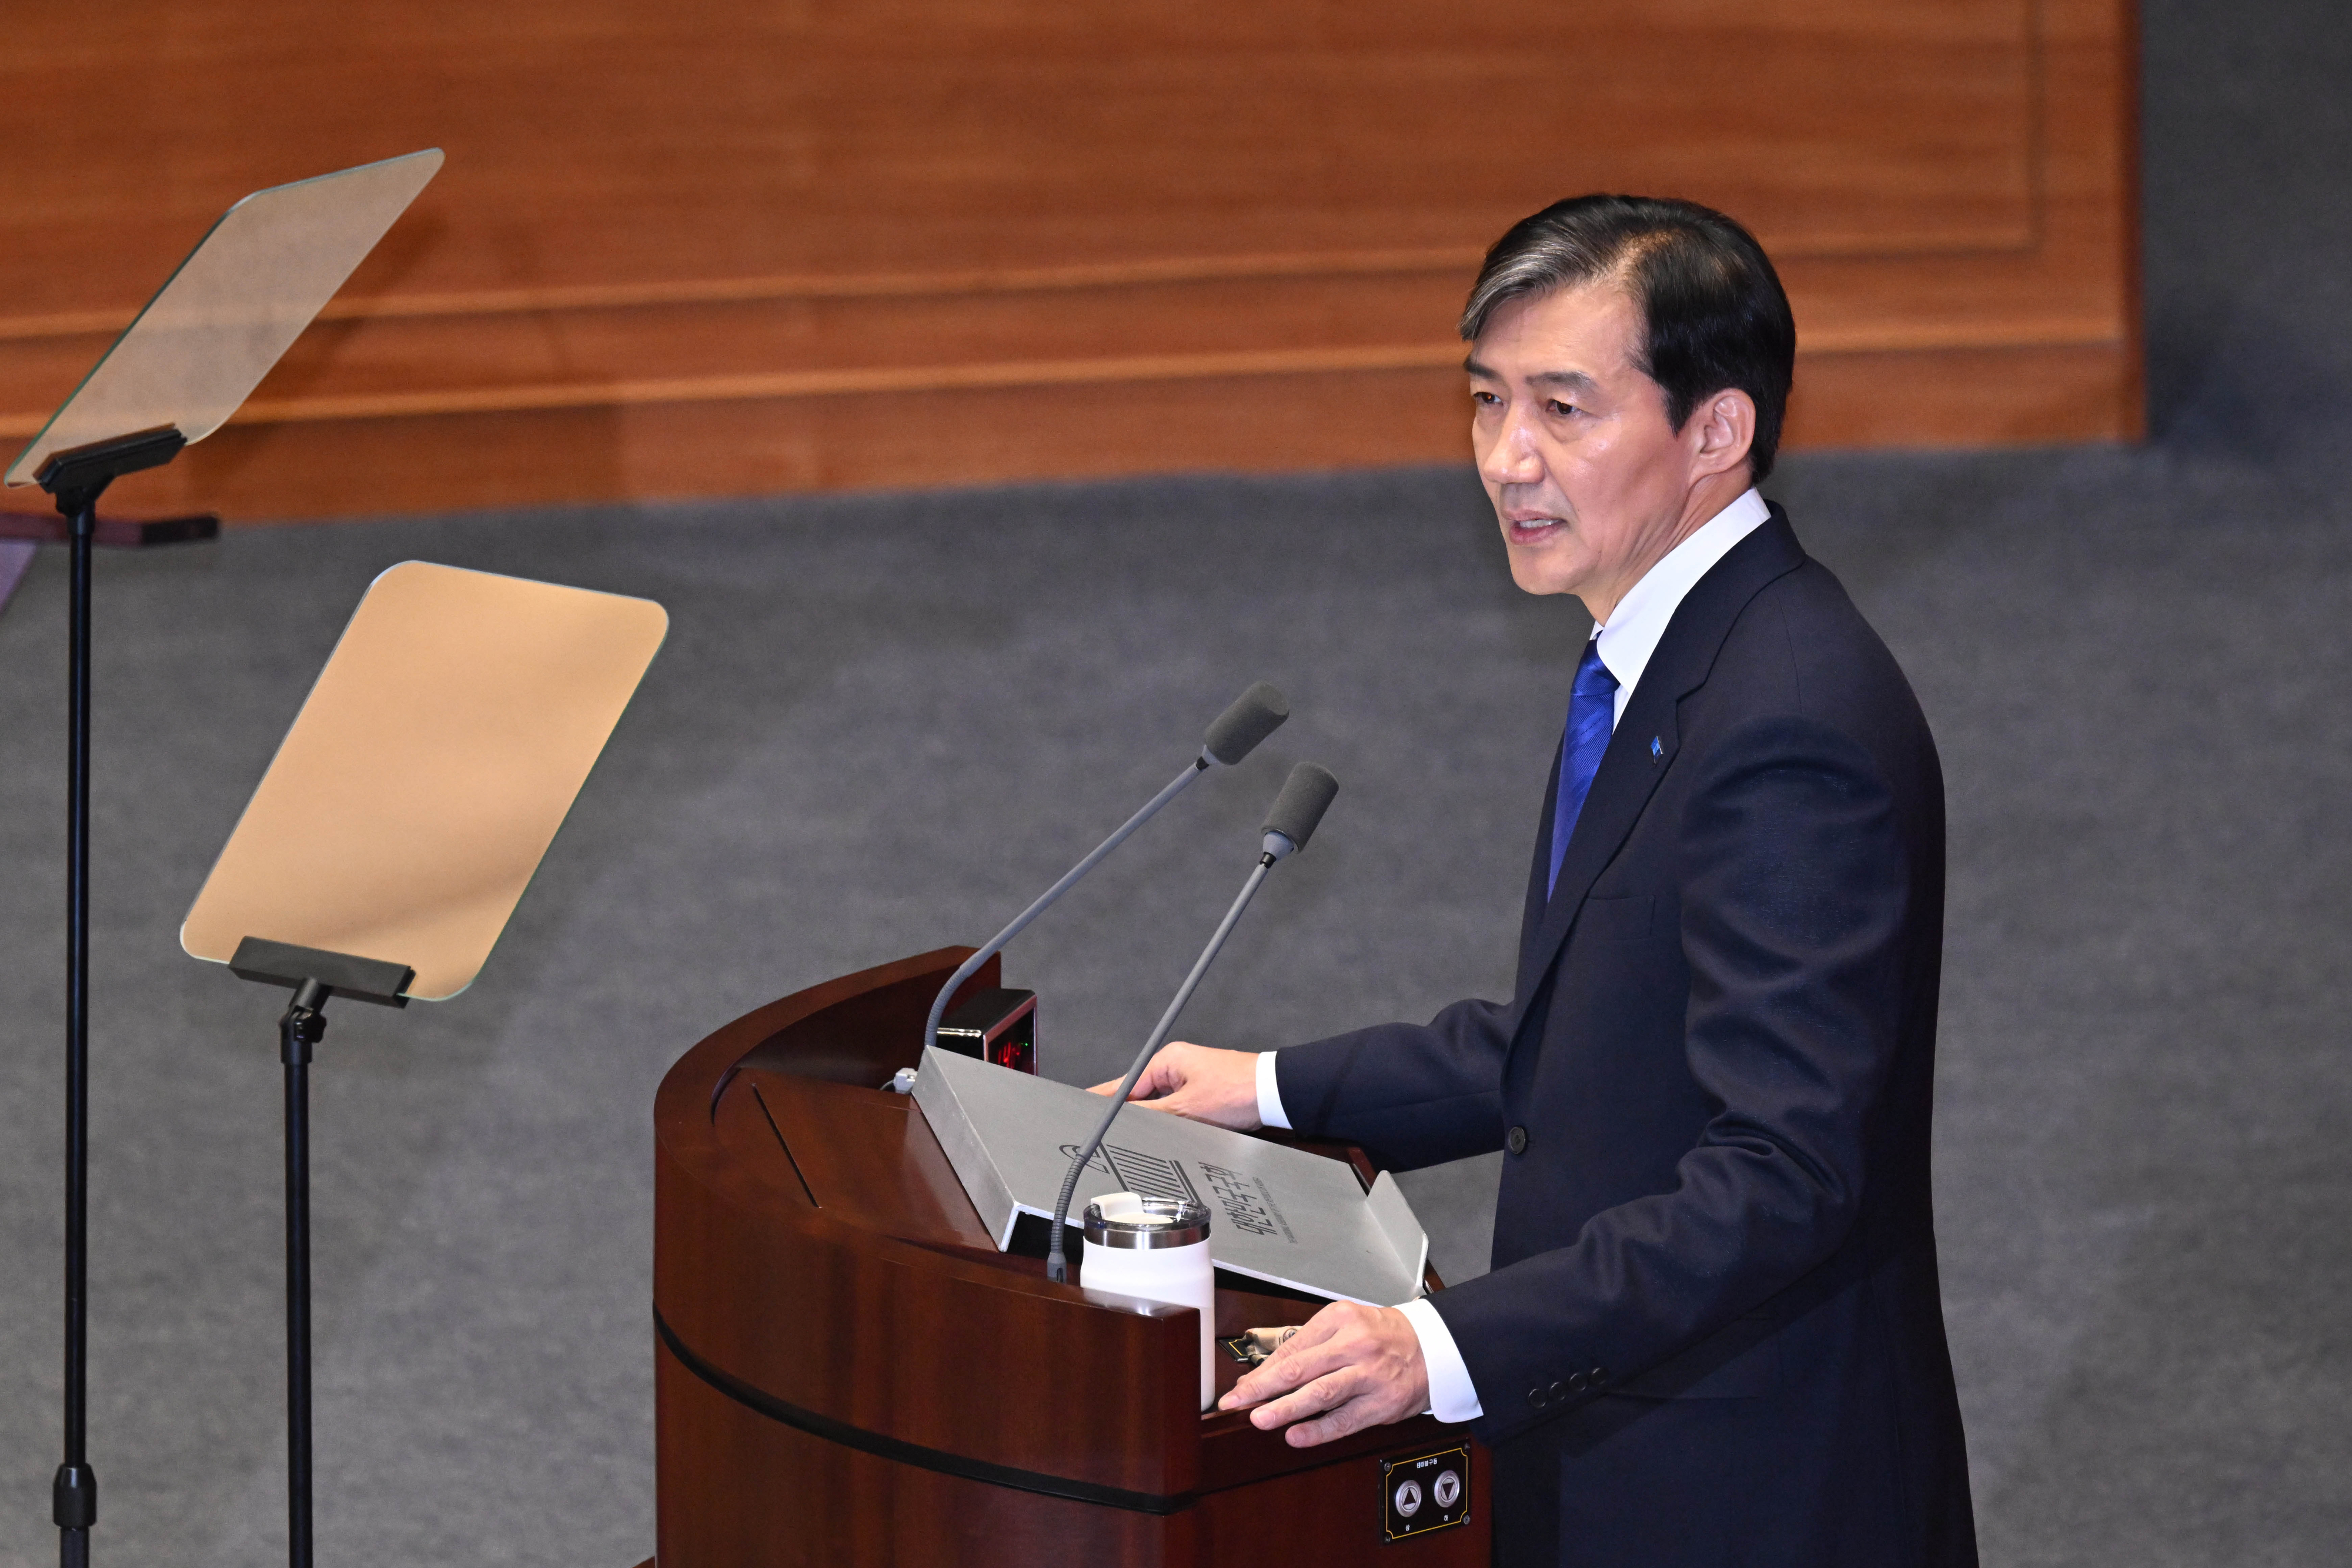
(1305,796)
(1256,714)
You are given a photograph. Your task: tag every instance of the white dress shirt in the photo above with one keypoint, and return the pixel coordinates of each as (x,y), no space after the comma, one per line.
(1627,642)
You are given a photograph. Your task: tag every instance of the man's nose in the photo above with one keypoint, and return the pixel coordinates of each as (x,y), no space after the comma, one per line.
(1513,459)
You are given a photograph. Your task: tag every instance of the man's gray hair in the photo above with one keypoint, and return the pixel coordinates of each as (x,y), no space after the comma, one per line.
(1714,314)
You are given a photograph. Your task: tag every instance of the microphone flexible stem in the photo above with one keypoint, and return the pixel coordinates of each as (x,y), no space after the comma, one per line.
(1056,1262)
(970,965)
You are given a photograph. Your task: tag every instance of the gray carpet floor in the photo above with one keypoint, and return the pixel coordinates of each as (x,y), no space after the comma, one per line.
(882,722)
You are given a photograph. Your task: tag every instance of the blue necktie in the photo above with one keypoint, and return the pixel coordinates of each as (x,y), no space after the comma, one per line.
(1591,714)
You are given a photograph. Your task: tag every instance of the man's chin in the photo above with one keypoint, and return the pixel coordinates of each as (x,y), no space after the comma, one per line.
(1538,568)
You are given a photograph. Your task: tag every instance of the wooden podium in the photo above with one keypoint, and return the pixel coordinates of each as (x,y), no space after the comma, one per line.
(848,1372)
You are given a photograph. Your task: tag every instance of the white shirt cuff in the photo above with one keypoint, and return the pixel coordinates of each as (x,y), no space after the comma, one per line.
(1269,1094)
(1451,1397)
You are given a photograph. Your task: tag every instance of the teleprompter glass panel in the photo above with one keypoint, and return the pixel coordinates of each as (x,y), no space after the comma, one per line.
(233,307)
(412,800)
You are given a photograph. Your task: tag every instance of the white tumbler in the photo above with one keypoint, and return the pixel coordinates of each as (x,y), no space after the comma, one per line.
(1155,1249)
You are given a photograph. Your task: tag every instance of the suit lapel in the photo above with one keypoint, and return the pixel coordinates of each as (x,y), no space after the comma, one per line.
(1534,915)
(1630,771)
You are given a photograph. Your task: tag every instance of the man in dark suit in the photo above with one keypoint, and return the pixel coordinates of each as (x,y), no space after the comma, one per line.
(1713,1332)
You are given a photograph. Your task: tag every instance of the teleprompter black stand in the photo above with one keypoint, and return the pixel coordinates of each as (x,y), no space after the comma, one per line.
(76,478)
(316,976)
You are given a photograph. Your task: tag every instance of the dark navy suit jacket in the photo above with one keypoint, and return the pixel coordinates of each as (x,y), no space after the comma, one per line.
(1713,1333)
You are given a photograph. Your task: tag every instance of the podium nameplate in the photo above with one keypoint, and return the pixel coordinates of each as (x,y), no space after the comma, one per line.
(1277,1214)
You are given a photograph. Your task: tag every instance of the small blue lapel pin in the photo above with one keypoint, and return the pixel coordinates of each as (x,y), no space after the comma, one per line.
(1658,752)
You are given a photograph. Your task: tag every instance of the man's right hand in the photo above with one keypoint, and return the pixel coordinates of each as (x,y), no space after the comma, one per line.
(1219,1087)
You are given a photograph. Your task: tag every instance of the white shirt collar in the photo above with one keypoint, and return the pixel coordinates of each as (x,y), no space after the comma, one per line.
(1641,616)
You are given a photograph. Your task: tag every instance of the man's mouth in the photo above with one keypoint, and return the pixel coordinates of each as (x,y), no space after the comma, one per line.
(1530,527)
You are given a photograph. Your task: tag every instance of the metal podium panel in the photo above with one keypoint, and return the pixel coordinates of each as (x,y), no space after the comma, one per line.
(1278,1214)
(235,305)
(410,804)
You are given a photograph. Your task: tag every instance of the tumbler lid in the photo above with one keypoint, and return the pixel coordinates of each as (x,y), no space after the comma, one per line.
(1129,1220)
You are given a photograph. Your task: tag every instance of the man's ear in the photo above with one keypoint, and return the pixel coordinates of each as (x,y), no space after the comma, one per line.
(1724,428)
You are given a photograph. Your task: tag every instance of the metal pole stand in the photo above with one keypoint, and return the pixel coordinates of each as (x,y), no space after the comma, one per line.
(76,479)
(74,1494)
(302,1026)
(316,976)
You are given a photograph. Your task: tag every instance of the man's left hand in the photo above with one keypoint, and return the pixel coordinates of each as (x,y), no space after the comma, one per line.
(1350,1367)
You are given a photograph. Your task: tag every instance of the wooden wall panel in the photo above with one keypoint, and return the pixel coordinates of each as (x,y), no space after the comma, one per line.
(729,246)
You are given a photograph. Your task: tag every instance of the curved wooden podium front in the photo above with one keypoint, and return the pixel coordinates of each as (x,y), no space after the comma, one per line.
(847,1371)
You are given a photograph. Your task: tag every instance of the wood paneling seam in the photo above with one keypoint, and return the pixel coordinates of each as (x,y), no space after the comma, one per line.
(863,380)
(791,286)
(1460,263)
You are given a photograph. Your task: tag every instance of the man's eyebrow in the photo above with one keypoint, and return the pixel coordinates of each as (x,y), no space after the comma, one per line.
(1569,380)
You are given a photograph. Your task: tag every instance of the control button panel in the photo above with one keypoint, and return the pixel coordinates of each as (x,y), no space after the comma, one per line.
(1425,1491)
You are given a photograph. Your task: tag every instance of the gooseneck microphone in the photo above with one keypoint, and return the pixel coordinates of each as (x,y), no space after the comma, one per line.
(1305,796)
(1231,736)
